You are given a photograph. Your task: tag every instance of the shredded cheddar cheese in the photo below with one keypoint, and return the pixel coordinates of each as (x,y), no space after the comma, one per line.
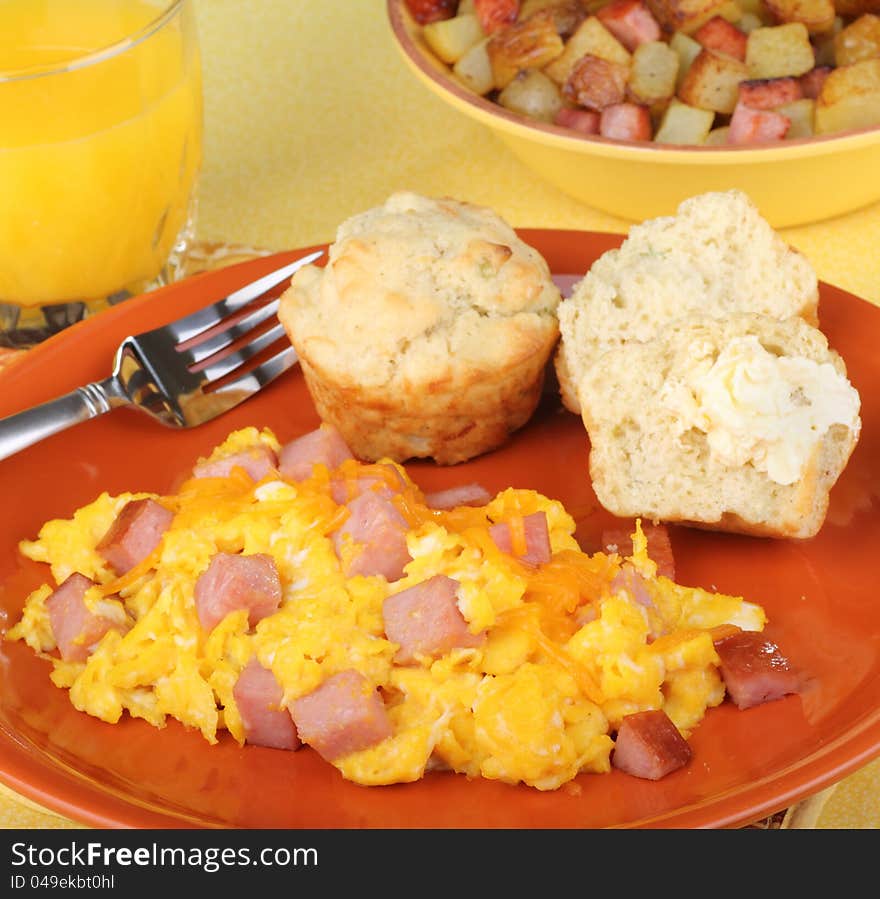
(517,527)
(556,652)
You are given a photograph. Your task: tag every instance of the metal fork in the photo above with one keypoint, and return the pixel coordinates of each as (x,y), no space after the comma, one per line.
(167,372)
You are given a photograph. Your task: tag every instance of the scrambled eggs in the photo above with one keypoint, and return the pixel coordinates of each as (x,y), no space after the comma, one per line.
(568,651)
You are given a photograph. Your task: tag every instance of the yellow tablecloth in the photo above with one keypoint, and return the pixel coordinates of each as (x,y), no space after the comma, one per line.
(311,117)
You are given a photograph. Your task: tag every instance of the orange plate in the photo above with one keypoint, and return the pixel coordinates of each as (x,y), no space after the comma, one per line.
(820,595)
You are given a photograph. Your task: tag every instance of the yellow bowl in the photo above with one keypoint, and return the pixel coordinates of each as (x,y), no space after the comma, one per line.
(792,182)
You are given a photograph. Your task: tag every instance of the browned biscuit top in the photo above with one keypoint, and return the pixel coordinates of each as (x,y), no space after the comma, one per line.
(420,291)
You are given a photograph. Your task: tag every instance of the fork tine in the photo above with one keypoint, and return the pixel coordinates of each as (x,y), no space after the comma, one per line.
(192,325)
(229,363)
(244,386)
(220,341)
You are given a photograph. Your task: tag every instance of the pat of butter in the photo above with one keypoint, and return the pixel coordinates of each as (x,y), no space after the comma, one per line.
(760,409)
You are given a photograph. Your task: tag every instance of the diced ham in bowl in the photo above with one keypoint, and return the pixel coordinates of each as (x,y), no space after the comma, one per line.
(670,60)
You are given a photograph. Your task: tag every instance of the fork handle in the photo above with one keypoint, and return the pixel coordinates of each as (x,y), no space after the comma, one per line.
(26,428)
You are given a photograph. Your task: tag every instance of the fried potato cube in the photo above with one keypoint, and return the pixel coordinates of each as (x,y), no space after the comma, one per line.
(474,70)
(527,7)
(850,98)
(450,39)
(779,50)
(688,15)
(532,94)
(592,38)
(687,50)
(749,22)
(717,137)
(593,6)
(800,113)
(653,72)
(817,15)
(712,82)
(596,83)
(524,45)
(823,44)
(567,14)
(859,40)
(854,8)
(683,124)
(751,7)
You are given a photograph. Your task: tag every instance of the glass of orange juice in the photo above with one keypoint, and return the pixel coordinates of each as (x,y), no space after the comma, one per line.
(100,149)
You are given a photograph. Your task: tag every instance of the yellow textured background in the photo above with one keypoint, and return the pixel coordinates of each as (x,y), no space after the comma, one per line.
(311,117)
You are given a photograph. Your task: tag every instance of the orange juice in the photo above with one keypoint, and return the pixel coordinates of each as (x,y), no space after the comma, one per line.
(100,145)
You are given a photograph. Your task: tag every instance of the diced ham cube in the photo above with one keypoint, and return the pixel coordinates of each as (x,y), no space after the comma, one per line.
(812,81)
(495,14)
(134,534)
(722,36)
(768,93)
(426,11)
(754,670)
(596,83)
(631,22)
(233,582)
(649,745)
(258,461)
(425,620)
(536,537)
(76,629)
(586,121)
(379,531)
(756,126)
(345,714)
(465,495)
(258,696)
(619,540)
(633,584)
(323,446)
(343,490)
(626,121)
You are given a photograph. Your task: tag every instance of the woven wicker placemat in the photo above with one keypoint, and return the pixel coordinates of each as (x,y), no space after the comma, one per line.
(210,256)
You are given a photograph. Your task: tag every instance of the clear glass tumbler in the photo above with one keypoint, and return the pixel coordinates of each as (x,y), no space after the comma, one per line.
(100,149)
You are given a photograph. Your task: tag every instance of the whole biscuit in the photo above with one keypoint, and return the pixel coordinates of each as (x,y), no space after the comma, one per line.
(428,332)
